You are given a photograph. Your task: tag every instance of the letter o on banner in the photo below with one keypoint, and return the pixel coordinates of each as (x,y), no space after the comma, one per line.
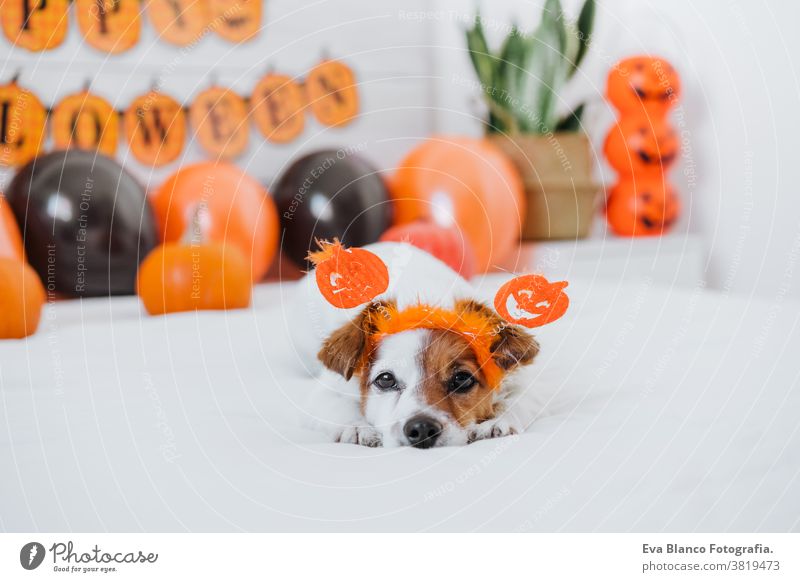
(277,105)
(35,24)
(22,125)
(155,128)
(112,26)
(86,122)
(220,121)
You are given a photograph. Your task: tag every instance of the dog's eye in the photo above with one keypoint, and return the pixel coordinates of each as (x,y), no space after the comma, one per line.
(386,381)
(461,382)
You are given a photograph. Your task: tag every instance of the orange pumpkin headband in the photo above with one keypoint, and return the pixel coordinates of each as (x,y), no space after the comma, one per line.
(351,277)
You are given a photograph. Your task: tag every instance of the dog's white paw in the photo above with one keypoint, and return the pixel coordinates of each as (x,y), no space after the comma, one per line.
(366,436)
(492,429)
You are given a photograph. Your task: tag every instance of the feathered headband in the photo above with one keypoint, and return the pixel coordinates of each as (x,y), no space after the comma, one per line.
(349,277)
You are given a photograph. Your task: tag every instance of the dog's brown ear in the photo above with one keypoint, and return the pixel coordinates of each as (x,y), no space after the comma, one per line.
(343,351)
(514,347)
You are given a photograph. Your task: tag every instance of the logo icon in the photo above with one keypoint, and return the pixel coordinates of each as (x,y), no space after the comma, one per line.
(31,555)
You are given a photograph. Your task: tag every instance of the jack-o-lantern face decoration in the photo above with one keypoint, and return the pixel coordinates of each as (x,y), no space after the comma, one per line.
(22,125)
(277,108)
(531,301)
(112,26)
(36,25)
(86,122)
(155,128)
(236,20)
(179,22)
(219,119)
(641,146)
(648,85)
(642,207)
(332,93)
(348,277)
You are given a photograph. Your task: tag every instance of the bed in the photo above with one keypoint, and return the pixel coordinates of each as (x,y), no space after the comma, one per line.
(661,410)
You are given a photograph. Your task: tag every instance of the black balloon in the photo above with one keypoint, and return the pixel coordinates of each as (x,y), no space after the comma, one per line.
(328,194)
(86,222)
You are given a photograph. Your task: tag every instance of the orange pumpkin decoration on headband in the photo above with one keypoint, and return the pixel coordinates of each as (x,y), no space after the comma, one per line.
(155,128)
(36,25)
(646,85)
(219,117)
(112,26)
(348,277)
(531,301)
(642,207)
(180,22)
(332,92)
(641,146)
(236,20)
(87,122)
(277,107)
(22,125)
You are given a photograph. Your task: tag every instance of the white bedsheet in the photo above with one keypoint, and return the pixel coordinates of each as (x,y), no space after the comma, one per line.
(662,410)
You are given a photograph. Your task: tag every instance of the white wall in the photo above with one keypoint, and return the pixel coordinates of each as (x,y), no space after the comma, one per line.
(740,116)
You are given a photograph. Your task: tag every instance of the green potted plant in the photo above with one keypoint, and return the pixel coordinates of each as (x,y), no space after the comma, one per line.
(520,85)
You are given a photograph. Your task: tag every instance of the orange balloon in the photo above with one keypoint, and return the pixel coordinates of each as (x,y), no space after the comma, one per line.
(231,208)
(642,207)
(11,246)
(464,183)
(22,296)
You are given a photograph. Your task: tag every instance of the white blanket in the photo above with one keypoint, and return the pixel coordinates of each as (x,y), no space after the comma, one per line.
(661,410)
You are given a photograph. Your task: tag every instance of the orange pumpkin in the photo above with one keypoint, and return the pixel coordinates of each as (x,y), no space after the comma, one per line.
(348,277)
(180,22)
(332,92)
(531,301)
(112,26)
(21,299)
(235,210)
(22,125)
(155,128)
(277,108)
(643,85)
(36,25)
(236,20)
(187,277)
(220,120)
(642,207)
(637,145)
(86,122)
(11,246)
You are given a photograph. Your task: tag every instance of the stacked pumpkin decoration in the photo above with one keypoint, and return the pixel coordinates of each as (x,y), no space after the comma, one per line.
(642,146)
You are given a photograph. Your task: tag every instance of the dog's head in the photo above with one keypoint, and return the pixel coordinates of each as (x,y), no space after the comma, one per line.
(426,386)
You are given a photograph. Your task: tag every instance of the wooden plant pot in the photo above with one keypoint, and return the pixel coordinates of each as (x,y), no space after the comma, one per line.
(556,171)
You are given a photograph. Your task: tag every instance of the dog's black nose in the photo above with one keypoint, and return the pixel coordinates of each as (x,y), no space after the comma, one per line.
(422,432)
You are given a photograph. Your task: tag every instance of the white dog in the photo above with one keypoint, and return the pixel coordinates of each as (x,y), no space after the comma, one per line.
(424,386)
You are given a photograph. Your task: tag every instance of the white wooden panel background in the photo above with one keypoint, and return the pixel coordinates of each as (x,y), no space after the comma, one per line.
(388,52)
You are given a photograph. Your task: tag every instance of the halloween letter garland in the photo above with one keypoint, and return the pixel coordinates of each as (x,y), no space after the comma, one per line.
(155,124)
(114,26)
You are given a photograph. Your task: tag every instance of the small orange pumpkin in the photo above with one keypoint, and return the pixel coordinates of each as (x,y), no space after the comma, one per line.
(21,299)
(180,22)
(643,85)
(11,246)
(155,128)
(22,125)
(187,277)
(37,25)
(86,122)
(220,120)
(638,145)
(332,92)
(642,207)
(277,107)
(348,277)
(112,26)
(236,20)
(531,301)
